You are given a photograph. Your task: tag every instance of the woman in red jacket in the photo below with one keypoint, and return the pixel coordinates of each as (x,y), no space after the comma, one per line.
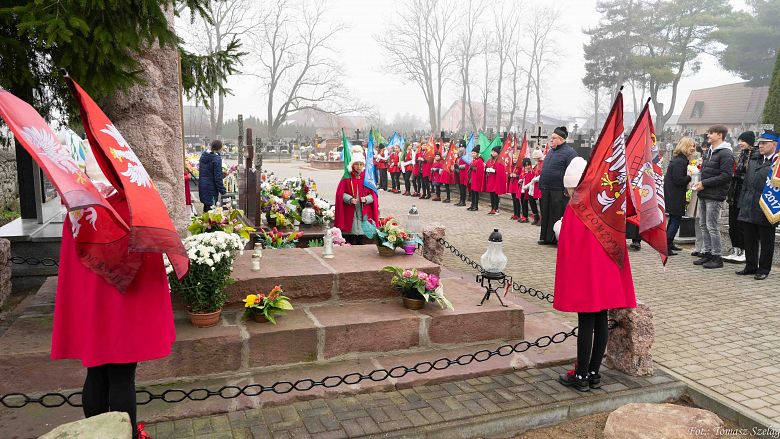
(477,178)
(514,178)
(406,168)
(496,179)
(395,170)
(436,171)
(463,175)
(426,173)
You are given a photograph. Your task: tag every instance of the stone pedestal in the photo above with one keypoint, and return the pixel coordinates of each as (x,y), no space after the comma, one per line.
(5,270)
(646,421)
(111,425)
(628,349)
(433,250)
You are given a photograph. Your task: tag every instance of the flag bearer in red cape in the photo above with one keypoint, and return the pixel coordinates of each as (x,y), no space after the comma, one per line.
(355,202)
(513,174)
(394,168)
(406,167)
(447,175)
(427,163)
(592,272)
(113,304)
(417,169)
(495,173)
(528,192)
(477,172)
(381,161)
(462,174)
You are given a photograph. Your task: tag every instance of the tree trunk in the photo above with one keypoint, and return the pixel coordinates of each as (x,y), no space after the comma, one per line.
(220,115)
(527,95)
(149,117)
(463,103)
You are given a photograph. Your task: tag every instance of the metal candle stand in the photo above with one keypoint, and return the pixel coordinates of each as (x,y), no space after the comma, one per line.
(502,279)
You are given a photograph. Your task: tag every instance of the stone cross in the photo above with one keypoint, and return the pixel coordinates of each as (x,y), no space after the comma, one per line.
(538,136)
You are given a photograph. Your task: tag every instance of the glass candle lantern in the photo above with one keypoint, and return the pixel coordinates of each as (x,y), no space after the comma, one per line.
(413,223)
(494,260)
(307,214)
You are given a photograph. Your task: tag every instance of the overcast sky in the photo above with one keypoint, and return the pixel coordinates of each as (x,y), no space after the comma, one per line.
(564,94)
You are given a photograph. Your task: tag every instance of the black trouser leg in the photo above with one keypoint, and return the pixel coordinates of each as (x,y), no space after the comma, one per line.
(438,189)
(475,199)
(462,193)
(407,182)
(673,226)
(515,205)
(759,247)
(110,387)
(735,229)
(545,213)
(416,183)
(532,202)
(447,190)
(592,336)
(493,201)
(426,186)
(524,205)
(383,179)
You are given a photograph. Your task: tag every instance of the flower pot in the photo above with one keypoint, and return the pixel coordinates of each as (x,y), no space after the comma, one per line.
(413,303)
(260,318)
(410,248)
(205,320)
(385,251)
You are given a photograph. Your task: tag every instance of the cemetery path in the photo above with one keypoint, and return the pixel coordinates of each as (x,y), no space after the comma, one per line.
(716,331)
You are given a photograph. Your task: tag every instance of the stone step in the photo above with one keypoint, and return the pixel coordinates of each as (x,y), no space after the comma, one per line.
(353,274)
(312,333)
(540,322)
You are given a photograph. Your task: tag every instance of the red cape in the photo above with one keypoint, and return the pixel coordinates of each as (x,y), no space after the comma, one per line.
(463,174)
(345,212)
(478,175)
(496,181)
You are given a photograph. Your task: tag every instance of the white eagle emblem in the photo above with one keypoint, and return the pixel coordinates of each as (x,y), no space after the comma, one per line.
(51,148)
(89,214)
(135,170)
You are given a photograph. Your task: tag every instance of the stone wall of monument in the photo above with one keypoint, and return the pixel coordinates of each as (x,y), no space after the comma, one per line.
(9,189)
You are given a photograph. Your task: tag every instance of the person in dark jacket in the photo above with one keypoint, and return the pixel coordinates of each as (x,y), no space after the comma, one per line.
(745,142)
(554,197)
(716,172)
(676,183)
(210,185)
(758,231)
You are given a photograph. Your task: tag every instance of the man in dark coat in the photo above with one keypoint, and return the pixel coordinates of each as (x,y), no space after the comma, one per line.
(210,185)
(756,228)
(745,142)
(554,197)
(716,171)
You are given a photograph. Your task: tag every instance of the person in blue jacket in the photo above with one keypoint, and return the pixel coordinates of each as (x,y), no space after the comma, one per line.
(210,185)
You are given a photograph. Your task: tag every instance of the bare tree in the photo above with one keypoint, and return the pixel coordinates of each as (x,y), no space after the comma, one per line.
(466,52)
(516,62)
(293,46)
(422,53)
(231,20)
(539,48)
(489,80)
(506,25)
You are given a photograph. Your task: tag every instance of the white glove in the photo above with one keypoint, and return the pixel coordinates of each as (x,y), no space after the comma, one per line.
(557,228)
(523,189)
(536,179)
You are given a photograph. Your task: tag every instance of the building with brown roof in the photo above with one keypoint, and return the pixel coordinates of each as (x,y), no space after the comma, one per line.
(737,106)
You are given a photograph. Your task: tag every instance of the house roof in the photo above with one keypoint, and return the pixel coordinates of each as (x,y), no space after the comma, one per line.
(725,104)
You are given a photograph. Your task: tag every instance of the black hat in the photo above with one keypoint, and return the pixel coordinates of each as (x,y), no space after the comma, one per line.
(526,162)
(497,149)
(748,136)
(462,143)
(561,131)
(438,153)
(475,149)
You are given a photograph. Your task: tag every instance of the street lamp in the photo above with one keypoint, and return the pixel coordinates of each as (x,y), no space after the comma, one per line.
(493,262)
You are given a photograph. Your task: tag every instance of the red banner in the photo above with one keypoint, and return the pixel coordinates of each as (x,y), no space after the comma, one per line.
(449,161)
(646,181)
(504,156)
(600,200)
(151,228)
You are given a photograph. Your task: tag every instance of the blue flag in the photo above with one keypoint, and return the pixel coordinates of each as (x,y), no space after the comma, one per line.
(469,147)
(770,196)
(395,140)
(369,180)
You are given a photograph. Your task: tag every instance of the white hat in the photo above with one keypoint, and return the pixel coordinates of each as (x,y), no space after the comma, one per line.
(574,172)
(536,155)
(356,149)
(356,158)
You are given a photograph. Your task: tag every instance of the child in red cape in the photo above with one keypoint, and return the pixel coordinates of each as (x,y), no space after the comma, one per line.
(395,170)
(477,178)
(528,191)
(462,174)
(514,171)
(496,179)
(426,173)
(588,282)
(406,168)
(355,202)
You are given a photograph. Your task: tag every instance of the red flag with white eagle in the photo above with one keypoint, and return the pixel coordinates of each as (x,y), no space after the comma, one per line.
(600,200)
(151,228)
(505,156)
(525,151)
(646,181)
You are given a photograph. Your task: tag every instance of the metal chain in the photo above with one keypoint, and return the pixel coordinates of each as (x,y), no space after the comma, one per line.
(54,399)
(522,289)
(46,262)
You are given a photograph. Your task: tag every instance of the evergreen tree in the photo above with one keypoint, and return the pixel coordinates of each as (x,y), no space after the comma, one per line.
(772,106)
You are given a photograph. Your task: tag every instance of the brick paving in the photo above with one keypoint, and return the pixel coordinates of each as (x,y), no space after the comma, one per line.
(713,328)
(383,413)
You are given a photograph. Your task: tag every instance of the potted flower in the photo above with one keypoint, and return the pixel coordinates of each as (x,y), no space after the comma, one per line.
(388,236)
(265,308)
(418,287)
(277,239)
(226,219)
(203,288)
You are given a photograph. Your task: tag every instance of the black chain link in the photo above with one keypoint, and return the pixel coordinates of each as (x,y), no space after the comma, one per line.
(53,399)
(46,262)
(522,289)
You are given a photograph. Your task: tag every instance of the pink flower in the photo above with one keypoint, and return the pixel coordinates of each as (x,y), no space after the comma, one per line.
(430,286)
(407,273)
(434,279)
(422,276)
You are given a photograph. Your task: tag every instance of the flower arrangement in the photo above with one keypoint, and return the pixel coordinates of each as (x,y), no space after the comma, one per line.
(211,261)
(278,211)
(277,239)
(389,233)
(225,219)
(268,306)
(419,285)
(338,239)
(324,212)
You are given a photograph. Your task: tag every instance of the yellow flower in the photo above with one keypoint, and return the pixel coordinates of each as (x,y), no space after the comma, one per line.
(250,300)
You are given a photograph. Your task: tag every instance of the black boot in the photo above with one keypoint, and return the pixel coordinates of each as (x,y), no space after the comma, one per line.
(715,262)
(575,381)
(594,380)
(705,257)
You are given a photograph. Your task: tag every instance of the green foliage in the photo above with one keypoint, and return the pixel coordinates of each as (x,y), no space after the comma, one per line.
(204,76)
(418,285)
(9,215)
(316,243)
(270,306)
(772,106)
(227,220)
(751,42)
(203,288)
